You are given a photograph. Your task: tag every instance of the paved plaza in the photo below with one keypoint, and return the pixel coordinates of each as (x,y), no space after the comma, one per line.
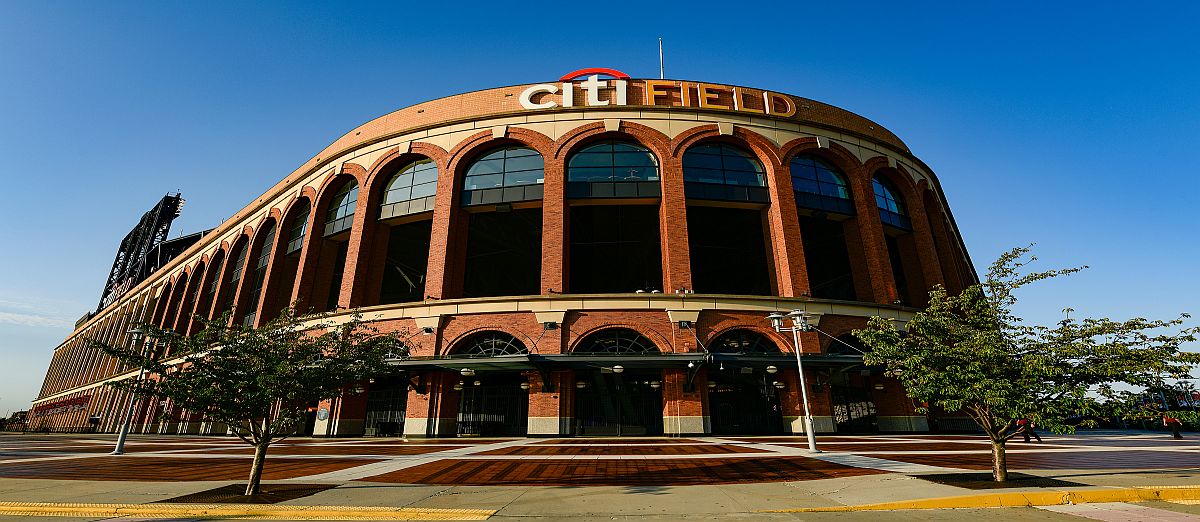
(760,478)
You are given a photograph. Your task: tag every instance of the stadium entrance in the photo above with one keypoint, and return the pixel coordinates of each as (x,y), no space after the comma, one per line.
(618,404)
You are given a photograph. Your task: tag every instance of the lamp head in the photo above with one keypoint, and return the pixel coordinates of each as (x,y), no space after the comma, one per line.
(776,320)
(618,369)
(136,335)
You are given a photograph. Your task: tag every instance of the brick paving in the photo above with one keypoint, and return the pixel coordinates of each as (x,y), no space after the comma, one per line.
(656,472)
(576,461)
(344,449)
(623,449)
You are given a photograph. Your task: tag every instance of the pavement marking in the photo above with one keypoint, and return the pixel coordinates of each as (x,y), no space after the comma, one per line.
(1122,512)
(1021,499)
(893,466)
(257,511)
(399,462)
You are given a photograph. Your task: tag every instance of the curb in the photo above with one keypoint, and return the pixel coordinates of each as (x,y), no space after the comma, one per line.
(260,512)
(1021,499)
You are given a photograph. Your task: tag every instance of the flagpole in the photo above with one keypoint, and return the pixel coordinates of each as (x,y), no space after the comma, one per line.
(662,74)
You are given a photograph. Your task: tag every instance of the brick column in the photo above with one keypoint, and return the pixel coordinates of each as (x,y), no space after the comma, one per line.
(874,247)
(442,269)
(546,416)
(783,222)
(435,412)
(362,246)
(683,411)
(347,415)
(927,251)
(672,222)
(554,228)
(792,402)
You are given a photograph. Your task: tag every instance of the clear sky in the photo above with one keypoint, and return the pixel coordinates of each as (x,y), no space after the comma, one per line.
(1071,125)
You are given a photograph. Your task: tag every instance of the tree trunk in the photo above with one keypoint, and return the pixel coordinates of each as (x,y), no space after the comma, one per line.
(999,461)
(260,458)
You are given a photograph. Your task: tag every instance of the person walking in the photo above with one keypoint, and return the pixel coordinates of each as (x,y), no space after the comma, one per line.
(1174,424)
(1026,429)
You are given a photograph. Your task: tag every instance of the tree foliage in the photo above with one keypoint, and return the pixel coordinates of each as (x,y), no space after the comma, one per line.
(258,381)
(971,353)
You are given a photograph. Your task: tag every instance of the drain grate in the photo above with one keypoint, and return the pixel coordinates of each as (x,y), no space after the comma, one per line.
(267,494)
(984,481)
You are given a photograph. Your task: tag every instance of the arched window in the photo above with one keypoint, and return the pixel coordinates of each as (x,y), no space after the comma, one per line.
(411,190)
(743,341)
(820,186)
(506,174)
(341,210)
(616,341)
(612,168)
(891,207)
(725,172)
(490,344)
(299,227)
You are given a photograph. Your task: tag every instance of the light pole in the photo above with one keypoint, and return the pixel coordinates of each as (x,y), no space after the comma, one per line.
(136,337)
(799,320)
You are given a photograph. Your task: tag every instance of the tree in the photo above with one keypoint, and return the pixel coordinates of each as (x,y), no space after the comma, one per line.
(258,381)
(971,353)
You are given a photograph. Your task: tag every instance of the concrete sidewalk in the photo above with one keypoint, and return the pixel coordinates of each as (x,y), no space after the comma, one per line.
(728,501)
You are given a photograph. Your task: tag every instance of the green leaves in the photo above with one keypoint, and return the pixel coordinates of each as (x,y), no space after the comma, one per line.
(970,353)
(241,376)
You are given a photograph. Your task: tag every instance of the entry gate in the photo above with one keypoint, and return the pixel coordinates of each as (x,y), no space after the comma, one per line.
(853,408)
(497,407)
(744,404)
(619,404)
(387,402)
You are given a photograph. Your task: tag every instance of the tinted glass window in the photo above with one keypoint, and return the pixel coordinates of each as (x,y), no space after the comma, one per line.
(416,180)
(886,197)
(344,202)
(722,163)
(505,167)
(612,161)
(813,176)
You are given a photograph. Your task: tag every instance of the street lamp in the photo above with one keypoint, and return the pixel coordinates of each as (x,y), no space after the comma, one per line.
(799,320)
(136,337)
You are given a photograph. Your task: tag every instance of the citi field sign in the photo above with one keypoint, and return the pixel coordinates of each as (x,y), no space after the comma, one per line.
(616,90)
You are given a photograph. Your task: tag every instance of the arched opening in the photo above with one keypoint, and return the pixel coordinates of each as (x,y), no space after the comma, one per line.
(492,403)
(901,244)
(742,397)
(827,227)
(727,223)
(325,256)
(387,405)
(212,281)
(406,225)
(283,276)
(609,402)
(263,248)
(614,219)
(227,292)
(195,291)
(502,190)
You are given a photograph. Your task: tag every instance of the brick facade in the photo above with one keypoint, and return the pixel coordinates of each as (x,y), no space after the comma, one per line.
(453,132)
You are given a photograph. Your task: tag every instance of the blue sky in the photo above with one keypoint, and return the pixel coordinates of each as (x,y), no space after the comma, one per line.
(1072,126)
